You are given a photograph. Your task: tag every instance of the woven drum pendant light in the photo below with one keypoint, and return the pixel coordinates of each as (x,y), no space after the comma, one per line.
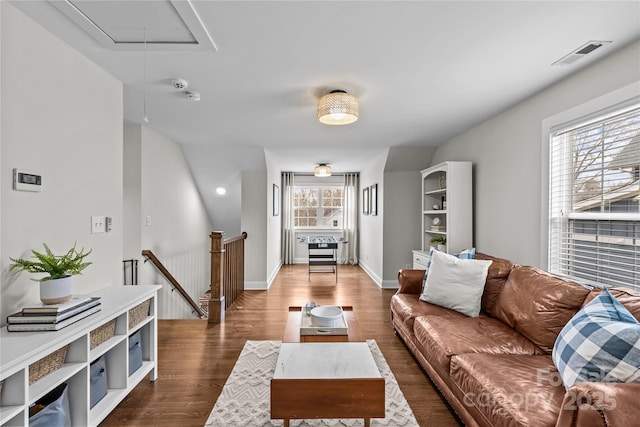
(338,108)
(322,170)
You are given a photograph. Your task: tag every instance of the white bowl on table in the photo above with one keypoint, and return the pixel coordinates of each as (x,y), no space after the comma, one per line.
(326,316)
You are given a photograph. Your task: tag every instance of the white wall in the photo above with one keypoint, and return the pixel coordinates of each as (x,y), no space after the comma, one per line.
(62,117)
(402,207)
(506,152)
(274,223)
(254,222)
(371,227)
(402,228)
(164,206)
(213,167)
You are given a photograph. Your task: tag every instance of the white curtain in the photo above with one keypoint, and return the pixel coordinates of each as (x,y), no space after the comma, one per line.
(350,221)
(288,232)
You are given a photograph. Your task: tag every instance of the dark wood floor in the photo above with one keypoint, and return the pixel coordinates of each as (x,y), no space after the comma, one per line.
(195,358)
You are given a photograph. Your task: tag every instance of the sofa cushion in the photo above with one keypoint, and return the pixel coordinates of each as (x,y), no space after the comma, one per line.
(455,283)
(496,277)
(440,338)
(601,343)
(406,307)
(538,304)
(510,390)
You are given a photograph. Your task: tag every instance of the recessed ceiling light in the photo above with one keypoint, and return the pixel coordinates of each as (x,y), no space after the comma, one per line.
(221,191)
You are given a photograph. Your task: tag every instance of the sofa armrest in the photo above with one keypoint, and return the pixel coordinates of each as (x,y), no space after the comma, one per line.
(410,281)
(600,404)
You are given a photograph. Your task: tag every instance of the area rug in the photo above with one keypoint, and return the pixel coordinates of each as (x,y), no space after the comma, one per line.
(245,398)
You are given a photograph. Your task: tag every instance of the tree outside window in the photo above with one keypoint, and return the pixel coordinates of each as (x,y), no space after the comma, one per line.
(318,207)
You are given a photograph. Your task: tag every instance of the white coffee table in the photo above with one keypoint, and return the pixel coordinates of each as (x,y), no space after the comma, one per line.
(326,380)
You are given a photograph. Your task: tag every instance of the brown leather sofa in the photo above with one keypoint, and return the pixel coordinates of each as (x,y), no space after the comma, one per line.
(496,369)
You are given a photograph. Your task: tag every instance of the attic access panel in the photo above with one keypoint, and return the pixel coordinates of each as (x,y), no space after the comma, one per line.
(124,25)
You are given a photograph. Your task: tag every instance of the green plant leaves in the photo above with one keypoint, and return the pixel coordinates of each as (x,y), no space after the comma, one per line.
(57,266)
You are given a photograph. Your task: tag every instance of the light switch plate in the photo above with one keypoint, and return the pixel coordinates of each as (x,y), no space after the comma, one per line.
(98,224)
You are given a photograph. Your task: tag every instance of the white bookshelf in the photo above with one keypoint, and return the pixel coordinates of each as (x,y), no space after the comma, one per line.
(21,349)
(451,182)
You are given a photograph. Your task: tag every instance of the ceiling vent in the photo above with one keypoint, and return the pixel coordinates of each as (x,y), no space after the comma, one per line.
(580,52)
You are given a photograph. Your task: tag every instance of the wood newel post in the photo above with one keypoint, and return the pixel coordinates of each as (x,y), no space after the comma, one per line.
(216,300)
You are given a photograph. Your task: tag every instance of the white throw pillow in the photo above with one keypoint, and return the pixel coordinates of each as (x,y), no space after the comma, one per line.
(456,283)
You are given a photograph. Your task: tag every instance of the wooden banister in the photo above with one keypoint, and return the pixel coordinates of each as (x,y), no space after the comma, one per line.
(227,273)
(154,259)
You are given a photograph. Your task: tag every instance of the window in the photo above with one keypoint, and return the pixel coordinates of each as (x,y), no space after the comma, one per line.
(318,207)
(594,200)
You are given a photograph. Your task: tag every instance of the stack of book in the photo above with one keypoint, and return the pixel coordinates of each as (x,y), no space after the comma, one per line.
(52,317)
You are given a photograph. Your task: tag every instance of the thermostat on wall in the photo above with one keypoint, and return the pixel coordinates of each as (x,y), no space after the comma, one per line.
(26,180)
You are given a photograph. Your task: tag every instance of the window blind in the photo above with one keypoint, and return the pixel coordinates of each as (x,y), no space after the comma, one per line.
(594,200)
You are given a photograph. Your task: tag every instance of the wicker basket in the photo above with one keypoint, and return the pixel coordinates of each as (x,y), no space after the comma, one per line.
(47,364)
(138,313)
(102,333)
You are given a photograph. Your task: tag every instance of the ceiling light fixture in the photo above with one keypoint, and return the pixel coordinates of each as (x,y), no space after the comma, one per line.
(338,108)
(322,170)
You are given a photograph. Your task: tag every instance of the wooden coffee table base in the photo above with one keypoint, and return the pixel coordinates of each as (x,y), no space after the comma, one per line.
(327,398)
(326,380)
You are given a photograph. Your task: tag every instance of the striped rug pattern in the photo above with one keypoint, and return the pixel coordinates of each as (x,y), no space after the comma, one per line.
(244,400)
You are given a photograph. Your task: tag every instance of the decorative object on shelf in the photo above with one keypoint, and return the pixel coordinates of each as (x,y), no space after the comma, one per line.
(436,225)
(338,108)
(374,199)
(436,207)
(443,181)
(322,170)
(440,242)
(57,287)
(276,200)
(365,201)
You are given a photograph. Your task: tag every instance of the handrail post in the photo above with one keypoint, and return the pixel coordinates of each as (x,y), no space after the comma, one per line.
(216,298)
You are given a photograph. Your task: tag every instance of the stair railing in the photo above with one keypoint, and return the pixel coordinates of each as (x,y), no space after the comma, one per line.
(150,256)
(227,273)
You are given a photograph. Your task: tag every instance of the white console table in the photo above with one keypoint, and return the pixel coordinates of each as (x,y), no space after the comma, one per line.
(18,350)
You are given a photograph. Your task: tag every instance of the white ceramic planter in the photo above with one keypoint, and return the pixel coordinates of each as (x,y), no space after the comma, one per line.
(56,291)
(442,248)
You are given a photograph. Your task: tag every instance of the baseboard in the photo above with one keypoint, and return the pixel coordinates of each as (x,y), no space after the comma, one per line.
(273,275)
(255,286)
(370,273)
(390,284)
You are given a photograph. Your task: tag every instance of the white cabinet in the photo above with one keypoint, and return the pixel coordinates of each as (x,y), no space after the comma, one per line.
(21,349)
(420,260)
(447,206)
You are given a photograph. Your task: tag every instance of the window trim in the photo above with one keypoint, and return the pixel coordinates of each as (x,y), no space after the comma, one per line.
(319,187)
(602,105)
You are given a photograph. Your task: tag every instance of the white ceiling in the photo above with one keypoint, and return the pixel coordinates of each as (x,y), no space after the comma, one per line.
(424,71)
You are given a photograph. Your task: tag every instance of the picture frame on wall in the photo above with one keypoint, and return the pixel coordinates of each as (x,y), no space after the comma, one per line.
(276,200)
(365,201)
(373,210)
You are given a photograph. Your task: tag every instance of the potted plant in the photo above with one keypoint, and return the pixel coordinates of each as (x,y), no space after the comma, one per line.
(56,287)
(440,242)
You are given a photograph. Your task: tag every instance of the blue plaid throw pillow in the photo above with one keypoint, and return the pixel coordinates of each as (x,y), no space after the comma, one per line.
(601,343)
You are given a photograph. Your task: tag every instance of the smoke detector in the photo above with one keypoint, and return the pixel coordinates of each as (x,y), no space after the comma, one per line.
(192,96)
(180,84)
